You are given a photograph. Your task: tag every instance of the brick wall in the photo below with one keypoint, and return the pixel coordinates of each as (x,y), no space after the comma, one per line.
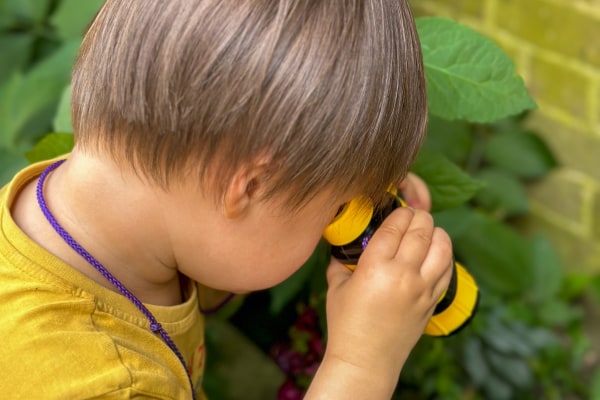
(556,47)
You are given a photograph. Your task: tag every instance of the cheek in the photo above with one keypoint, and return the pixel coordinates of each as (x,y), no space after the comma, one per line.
(300,249)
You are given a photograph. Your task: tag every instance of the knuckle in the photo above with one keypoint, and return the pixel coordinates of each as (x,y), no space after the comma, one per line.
(390,229)
(426,217)
(422,235)
(443,242)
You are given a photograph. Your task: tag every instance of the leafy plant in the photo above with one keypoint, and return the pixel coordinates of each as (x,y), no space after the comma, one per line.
(477,160)
(527,340)
(39,40)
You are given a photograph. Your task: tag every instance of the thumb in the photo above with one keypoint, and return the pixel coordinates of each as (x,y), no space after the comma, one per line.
(337,273)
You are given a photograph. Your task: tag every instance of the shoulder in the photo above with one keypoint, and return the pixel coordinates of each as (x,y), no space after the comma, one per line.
(62,349)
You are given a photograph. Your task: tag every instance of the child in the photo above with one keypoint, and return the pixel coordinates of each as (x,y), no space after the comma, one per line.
(215,140)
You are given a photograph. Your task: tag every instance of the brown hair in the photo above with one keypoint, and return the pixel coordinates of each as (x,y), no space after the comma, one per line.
(333,89)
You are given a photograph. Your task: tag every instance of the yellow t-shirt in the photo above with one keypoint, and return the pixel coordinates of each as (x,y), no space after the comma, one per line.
(63,336)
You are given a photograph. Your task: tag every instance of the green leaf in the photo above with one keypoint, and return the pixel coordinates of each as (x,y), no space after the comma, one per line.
(52,145)
(10,163)
(23,97)
(537,337)
(474,361)
(503,193)
(456,221)
(468,76)
(592,281)
(575,284)
(16,50)
(508,339)
(62,119)
(236,367)
(547,270)
(496,255)
(451,138)
(449,185)
(287,290)
(595,389)
(23,11)
(521,153)
(498,389)
(514,369)
(72,17)
(557,313)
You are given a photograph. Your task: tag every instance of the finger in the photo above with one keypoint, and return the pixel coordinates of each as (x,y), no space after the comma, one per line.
(402,185)
(416,241)
(438,264)
(337,273)
(415,192)
(386,240)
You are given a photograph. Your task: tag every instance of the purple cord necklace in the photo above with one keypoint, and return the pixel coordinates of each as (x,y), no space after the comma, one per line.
(155,326)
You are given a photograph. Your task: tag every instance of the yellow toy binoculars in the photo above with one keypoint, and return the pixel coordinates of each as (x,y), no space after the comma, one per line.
(349,233)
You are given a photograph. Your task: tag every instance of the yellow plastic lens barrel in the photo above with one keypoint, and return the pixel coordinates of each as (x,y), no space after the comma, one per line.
(350,222)
(458,306)
(349,234)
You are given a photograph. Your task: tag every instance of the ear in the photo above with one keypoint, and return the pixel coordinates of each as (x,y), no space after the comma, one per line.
(246,186)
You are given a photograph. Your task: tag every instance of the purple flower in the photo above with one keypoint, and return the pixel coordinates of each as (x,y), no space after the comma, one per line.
(289,391)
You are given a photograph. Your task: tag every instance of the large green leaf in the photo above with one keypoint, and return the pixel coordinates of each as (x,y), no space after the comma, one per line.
(547,270)
(22,97)
(497,388)
(16,49)
(504,195)
(73,16)
(522,153)
(456,221)
(449,185)
(52,145)
(507,338)
(62,119)
(19,12)
(595,389)
(451,138)
(475,363)
(557,313)
(235,367)
(514,369)
(497,256)
(468,76)
(10,163)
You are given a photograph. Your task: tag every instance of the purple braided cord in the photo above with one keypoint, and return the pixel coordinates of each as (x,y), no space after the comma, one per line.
(155,326)
(213,310)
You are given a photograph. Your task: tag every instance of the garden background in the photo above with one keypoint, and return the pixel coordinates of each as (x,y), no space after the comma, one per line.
(514,180)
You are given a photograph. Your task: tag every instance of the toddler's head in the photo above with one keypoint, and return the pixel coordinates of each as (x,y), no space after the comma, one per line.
(330,92)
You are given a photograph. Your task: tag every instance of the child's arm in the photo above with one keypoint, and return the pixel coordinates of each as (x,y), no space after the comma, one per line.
(377,314)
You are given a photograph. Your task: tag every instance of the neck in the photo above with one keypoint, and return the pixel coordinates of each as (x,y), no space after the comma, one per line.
(116,217)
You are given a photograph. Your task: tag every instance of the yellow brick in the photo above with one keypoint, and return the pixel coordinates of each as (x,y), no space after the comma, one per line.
(596,216)
(561,86)
(574,148)
(419,10)
(595,106)
(460,8)
(559,195)
(557,26)
(578,255)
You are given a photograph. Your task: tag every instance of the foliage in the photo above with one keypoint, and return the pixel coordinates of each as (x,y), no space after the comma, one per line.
(458,59)
(38,41)
(527,339)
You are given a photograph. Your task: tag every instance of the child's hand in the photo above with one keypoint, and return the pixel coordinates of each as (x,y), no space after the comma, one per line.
(415,192)
(377,314)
